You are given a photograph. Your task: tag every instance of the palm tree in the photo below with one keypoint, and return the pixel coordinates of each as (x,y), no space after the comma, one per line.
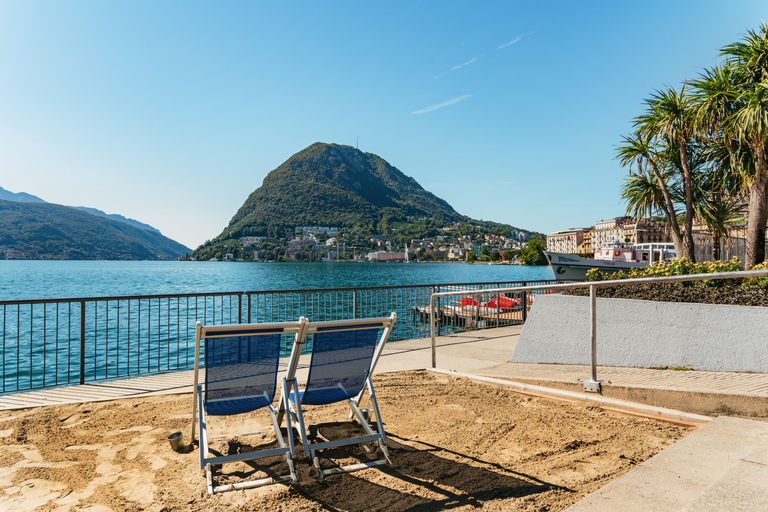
(714,102)
(643,195)
(717,192)
(651,158)
(669,123)
(749,125)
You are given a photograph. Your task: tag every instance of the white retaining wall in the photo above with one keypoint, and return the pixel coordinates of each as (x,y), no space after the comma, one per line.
(645,334)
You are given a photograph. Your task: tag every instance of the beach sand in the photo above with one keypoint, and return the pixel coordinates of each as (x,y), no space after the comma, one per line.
(454,443)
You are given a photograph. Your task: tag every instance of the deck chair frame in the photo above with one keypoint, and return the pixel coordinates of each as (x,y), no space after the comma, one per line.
(199,415)
(294,409)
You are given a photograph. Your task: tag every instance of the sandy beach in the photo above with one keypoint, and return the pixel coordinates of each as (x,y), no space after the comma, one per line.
(454,444)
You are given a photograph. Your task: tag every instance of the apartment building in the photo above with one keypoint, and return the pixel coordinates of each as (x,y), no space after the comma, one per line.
(569,242)
(646,232)
(609,231)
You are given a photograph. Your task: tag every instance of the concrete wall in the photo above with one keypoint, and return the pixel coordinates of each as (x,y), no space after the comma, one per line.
(645,334)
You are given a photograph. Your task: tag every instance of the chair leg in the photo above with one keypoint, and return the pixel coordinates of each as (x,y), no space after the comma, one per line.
(209,478)
(284,407)
(376,410)
(302,429)
(203,437)
(316,462)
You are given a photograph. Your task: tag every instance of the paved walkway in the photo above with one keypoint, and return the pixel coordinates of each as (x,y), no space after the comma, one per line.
(723,465)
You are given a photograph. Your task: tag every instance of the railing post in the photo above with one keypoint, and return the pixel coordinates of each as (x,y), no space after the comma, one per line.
(239,308)
(248,305)
(437,306)
(354,304)
(82,342)
(593,385)
(477,311)
(525,302)
(432,324)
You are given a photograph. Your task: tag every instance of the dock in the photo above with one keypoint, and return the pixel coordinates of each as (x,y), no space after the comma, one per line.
(468,318)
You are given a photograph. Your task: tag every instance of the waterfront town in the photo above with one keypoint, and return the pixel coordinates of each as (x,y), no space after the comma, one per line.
(317,243)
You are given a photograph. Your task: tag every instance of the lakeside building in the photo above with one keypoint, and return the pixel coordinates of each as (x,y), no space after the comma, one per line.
(619,229)
(570,241)
(315,230)
(609,231)
(647,232)
(456,253)
(385,256)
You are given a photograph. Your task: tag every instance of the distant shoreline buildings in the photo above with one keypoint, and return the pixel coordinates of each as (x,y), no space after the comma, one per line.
(619,229)
(315,243)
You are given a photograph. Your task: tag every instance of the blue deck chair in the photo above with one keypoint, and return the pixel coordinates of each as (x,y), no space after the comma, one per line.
(241,364)
(344,354)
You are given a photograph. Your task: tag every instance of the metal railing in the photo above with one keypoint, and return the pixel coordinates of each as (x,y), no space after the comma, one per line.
(593,384)
(730,247)
(46,343)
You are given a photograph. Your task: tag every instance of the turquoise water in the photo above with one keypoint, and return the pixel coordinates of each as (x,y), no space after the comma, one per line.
(49,344)
(28,280)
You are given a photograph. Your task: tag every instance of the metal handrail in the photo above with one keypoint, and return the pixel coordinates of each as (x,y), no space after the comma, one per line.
(592,385)
(238,292)
(53,342)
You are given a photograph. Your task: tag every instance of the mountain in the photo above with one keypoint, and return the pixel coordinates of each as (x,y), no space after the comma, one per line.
(21,197)
(51,231)
(333,185)
(116,217)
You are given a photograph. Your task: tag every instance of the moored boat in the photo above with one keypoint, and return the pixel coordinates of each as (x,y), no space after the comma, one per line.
(611,257)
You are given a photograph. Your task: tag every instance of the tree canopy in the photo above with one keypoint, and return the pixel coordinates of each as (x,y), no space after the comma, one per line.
(699,151)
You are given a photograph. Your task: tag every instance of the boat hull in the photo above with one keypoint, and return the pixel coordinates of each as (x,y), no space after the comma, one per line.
(570,266)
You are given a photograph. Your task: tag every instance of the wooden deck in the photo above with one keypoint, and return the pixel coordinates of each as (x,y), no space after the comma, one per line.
(132,387)
(163,384)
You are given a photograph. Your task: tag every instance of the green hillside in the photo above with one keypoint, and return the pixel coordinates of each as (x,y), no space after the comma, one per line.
(51,231)
(332,185)
(342,187)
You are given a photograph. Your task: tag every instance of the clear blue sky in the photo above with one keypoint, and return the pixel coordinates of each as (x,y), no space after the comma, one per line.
(173,112)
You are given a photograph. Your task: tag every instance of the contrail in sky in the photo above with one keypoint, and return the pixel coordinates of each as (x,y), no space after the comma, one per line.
(441,105)
(470,61)
(454,68)
(515,40)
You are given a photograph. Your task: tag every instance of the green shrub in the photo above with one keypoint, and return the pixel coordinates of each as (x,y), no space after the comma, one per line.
(675,267)
(744,292)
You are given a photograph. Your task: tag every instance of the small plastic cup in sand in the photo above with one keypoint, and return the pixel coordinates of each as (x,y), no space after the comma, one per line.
(175,440)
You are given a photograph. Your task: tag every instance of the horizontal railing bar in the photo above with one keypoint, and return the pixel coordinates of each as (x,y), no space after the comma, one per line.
(115,297)
(615,282)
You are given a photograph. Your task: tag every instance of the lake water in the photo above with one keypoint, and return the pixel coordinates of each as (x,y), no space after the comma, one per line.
(27,280)
(52,344)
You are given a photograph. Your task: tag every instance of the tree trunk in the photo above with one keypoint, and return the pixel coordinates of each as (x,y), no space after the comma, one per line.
(758,211)
(677,238)
(688,245)
(758,215)
(716,248)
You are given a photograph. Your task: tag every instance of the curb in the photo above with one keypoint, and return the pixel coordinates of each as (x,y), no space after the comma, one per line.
(611,404)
